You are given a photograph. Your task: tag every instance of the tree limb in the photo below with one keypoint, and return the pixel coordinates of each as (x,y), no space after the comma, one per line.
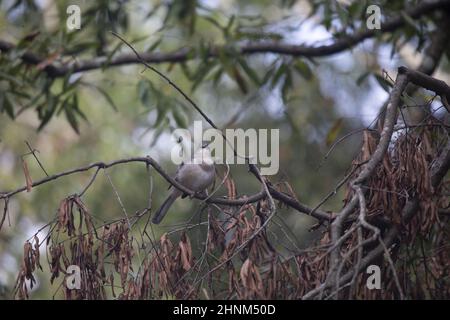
(286,199)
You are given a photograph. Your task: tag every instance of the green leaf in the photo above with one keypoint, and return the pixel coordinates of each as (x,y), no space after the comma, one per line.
(8,106)
(249,71)
(278,74)
(386,85)
(10,78)
(334,131)
(361,78)
(162,108)
(48,112)
(186,71)
(217,75)
(76,107)
(71,108)
(287,84)
(227,29)
(303,69)
(203,51)
(34,100)
(82,46)
(158,132)
(180,118)
(240,80)
(293,125)
(112,52)
(227,56)
(107,97)
(143,88)
(248,35)
(19,93)
(2,101)
(72,119)
(201,73)
(214,23)
(327,16)
(409,20)
(154,45)
(268,75)
(357,9)
(343,14)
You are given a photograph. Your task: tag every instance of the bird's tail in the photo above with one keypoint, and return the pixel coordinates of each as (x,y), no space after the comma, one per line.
(162,211)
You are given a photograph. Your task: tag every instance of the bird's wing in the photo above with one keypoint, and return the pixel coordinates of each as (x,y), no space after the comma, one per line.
(176,177)
(176,174)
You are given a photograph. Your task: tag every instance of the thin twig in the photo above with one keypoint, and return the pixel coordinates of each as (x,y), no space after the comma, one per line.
(33,152)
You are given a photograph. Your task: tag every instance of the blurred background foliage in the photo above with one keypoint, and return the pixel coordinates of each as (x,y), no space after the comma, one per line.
(118,112)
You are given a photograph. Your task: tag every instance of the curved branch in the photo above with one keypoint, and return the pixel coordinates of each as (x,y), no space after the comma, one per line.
(185,54)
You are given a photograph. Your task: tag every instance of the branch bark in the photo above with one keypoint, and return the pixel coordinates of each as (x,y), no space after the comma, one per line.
(288,200)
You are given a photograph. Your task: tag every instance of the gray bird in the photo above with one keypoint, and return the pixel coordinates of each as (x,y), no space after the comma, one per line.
(196,175)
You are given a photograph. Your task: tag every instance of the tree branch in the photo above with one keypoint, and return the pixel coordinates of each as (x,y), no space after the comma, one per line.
(430,58)
(185,54)
(288,200)
(427,82)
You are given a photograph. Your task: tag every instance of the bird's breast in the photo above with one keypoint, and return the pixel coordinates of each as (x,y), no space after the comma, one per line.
(196,177)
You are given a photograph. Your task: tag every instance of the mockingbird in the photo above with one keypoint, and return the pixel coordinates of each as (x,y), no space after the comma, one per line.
(196,175)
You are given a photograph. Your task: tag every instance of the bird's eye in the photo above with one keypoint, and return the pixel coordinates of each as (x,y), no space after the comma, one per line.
(205,144)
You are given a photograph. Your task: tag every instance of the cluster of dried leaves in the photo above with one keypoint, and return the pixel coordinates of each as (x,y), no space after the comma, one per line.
(422,254)
(403,174)
(31,260)
(74,241)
